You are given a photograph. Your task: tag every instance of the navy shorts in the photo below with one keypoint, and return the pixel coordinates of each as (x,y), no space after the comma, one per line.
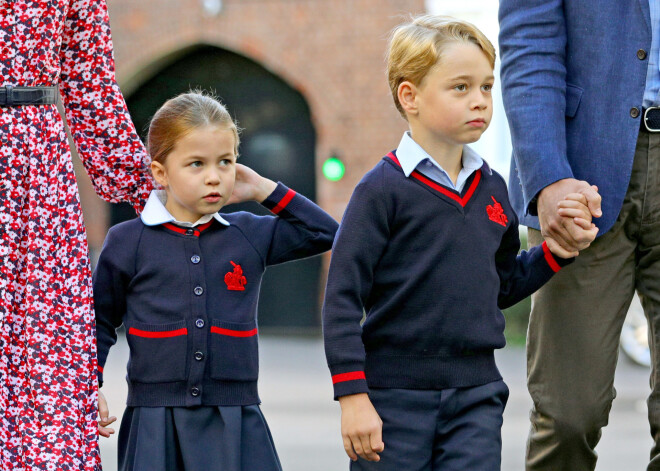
(444,430)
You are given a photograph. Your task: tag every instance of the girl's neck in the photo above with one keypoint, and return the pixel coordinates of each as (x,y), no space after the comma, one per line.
(448,155)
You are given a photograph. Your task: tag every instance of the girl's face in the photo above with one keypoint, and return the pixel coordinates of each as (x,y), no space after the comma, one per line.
(199,173)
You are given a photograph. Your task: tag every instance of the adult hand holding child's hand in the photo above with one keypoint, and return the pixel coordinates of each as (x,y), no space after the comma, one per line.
(565,225)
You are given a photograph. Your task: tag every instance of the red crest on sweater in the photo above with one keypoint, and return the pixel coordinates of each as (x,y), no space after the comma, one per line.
(496,213)
(235,279)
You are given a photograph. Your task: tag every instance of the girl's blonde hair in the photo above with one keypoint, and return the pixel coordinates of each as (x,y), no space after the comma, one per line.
(183,114)
(415,47)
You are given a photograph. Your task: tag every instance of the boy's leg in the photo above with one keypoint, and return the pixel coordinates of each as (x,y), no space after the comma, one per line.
(572,350)
(409,422)
(469,429)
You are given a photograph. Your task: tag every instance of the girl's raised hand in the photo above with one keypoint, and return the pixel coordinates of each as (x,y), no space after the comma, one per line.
(250,186)
(104,420)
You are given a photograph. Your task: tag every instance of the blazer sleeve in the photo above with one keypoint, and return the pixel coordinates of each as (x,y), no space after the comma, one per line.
(533,50)
(362,238)
(521,274)
(111,278)
(301,229)
(102,130)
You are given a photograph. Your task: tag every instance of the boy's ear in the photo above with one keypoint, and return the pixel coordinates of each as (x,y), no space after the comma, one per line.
(406,94)
(159,173)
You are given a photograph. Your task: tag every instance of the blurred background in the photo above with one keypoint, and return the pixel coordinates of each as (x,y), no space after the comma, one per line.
(306,81)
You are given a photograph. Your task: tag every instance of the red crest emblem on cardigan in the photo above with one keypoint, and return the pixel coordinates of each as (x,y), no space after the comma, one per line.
(235,279)
(496,213)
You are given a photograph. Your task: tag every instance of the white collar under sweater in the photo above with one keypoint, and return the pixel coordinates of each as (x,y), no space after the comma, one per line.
(155,213)
(410,154)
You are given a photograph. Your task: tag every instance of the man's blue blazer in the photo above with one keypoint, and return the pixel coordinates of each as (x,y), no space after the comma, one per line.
(572,73)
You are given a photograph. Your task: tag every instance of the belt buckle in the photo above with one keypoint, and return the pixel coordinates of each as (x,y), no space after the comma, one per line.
(656,118)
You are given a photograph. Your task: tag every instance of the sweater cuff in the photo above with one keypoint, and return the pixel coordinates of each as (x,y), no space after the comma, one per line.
(349,381)
(99,374)
(279,199)
(554,262)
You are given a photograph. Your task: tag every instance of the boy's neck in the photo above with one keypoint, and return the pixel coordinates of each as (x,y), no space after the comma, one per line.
(448,155)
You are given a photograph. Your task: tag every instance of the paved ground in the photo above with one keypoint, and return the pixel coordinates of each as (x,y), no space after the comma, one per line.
(296,393)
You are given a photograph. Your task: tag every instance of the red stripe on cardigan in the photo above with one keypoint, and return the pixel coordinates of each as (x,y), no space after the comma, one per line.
(233,333)
(157,335)
(182,230)
(549,258)
(284,201)
(462,201)
(351,376)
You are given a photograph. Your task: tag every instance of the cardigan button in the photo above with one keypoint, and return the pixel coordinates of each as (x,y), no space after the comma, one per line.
(190,231)
(195,259)
(194,392)
(199,323)
(198,290)
(199,356)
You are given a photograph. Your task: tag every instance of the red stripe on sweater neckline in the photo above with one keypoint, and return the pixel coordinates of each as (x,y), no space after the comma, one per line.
(441,189)
(183,230)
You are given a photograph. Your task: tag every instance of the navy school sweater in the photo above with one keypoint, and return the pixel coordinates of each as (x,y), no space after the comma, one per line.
(431,269)
(188,299)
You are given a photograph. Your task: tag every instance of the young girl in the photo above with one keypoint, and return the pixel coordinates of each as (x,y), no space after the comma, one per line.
(184,280)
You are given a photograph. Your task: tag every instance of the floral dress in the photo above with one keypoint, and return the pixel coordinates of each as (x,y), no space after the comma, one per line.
(48,386)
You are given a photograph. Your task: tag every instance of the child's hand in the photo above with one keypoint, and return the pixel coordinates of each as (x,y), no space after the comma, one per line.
(250,186)
(104,420)
(574,206)
(361,427)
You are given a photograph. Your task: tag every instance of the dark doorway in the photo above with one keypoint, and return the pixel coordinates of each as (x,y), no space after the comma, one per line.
(278,141)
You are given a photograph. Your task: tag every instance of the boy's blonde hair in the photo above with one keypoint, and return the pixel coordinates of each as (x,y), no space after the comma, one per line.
(415,47)
(183,114)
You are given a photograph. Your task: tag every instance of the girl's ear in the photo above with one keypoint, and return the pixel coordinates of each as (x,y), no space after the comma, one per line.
(406,94)
(160,173)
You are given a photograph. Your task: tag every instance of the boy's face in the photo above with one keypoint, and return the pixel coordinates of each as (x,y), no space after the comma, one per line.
(454,102)
(199,173)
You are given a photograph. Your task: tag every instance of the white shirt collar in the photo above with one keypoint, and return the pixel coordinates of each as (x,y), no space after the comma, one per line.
(155,213)
(410,154)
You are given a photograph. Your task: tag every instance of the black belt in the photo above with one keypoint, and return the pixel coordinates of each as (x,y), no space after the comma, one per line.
(21,96)
(651,119)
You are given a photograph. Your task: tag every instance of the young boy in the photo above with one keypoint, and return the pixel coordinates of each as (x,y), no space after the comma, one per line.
(428,249)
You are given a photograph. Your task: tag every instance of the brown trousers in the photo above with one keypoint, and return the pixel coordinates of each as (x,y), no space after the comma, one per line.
(576,321)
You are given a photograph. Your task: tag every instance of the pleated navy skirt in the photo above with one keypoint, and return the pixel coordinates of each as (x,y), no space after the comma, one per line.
(222,438)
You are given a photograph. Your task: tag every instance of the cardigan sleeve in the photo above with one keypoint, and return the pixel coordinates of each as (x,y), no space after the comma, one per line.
(302,229)
(112,275)
(102,130)
(533,48)
(521,274)
(362,238)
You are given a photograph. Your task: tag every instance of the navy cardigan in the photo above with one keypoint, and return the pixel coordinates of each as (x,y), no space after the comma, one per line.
(188,298)
(431,269)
